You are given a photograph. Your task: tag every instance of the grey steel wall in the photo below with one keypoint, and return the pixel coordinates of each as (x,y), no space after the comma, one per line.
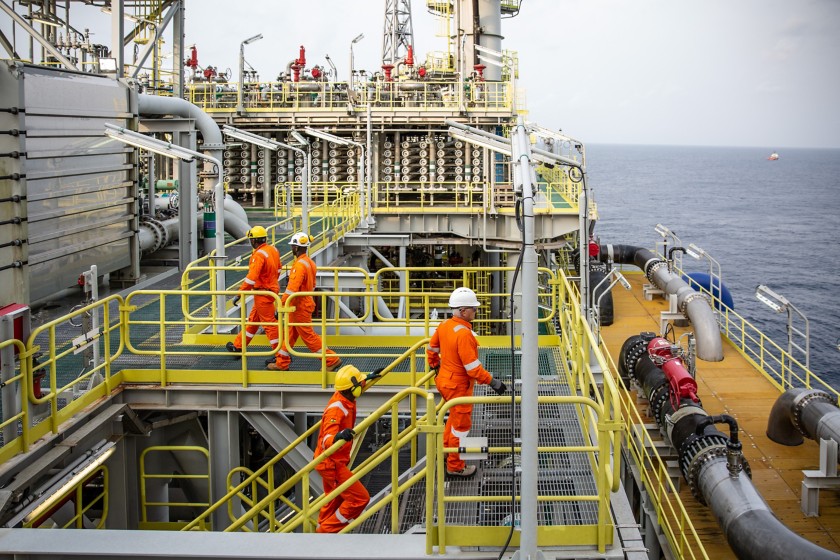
(79,185)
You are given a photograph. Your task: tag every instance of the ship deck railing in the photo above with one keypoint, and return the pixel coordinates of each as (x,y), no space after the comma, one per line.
(386,96)
(415,196)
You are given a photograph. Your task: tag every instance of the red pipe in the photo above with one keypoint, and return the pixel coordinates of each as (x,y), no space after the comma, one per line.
(409,58)
(296,68)
(302,58)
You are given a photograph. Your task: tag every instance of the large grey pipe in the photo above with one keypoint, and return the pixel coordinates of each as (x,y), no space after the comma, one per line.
(752,530)
(150,105)
(689,301)
(154,234)
(804,412)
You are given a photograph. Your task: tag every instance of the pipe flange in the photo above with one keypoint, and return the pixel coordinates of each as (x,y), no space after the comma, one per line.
(705,456)
(657,399)
(632,356)
(158,232)
(691,297)
(650,271)
(803,400)
(700,452)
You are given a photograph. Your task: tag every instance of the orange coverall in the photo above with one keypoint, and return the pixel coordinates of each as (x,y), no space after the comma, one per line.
(344,508)
(263,274)
(454,349)
(302,279)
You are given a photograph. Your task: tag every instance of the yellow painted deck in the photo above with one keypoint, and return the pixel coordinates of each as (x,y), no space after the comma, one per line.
(733,386)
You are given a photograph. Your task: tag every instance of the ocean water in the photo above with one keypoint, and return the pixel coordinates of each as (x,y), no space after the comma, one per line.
(767,222)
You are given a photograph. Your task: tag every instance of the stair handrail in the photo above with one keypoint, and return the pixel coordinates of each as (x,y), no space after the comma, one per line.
(233,492)
(308,505)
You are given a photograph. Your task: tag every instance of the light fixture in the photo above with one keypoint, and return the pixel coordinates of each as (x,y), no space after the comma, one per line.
(481,141)
(624,283)
(239,93)
(358,38)
(329,137)
(252,138)
(148,143)
(662,230)
(771,299)
(49,22)
(108,65)
(250,40)
(299,137)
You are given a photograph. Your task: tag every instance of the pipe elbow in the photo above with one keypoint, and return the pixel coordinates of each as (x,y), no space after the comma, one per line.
(709,344)
(781,427)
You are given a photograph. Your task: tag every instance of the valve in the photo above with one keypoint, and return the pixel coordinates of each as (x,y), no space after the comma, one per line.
(734,454)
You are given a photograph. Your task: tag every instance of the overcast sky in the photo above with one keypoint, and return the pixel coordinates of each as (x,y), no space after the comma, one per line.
(692,72)
(710,72)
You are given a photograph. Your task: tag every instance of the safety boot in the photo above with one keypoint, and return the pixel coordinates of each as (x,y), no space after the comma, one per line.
(466,472)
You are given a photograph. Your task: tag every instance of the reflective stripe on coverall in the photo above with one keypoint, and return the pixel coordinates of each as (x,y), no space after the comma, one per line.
(263,274)
(302,279)
(344,508)
(454,349)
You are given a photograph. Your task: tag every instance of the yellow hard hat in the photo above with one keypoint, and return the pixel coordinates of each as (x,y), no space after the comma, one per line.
(257,232)
(348,377)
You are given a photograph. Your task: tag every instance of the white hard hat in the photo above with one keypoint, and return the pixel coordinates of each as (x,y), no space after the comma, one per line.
(463,297)
(300,239)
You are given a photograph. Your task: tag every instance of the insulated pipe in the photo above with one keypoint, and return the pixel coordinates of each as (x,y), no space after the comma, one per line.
(693,304)
(804,412)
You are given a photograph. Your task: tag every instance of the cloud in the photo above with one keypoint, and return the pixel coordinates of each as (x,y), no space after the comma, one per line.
(767,87)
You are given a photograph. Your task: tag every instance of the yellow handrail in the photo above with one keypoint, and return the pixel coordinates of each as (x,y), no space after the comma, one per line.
(234,492)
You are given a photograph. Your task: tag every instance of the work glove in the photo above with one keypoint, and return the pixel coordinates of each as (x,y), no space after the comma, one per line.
(236,301)
(498,386)
(346,434)
(375,374)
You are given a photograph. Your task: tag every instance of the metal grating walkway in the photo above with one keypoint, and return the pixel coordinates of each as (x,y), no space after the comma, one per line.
(561,474)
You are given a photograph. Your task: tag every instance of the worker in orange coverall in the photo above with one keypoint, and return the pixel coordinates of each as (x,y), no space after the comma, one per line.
(301,279)
(337,424)
(263,274)
(453,351)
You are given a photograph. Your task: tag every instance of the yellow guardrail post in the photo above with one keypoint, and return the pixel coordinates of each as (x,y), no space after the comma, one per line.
(24,379)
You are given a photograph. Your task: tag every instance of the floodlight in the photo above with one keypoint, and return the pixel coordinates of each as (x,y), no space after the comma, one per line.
(108,65)
(329,137)
(299,137)
(251,138)
(476,140)
(624,283)
(36,19)
(662,230)
(250,40)
(695,251)
(138,140)
(771,299)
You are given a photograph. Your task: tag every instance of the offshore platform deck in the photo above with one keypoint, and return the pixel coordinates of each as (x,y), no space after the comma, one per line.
(125,413)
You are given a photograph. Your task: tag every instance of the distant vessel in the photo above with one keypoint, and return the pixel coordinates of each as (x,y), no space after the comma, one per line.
(773,157)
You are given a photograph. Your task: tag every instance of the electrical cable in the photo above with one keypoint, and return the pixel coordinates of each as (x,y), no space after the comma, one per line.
(521,226)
